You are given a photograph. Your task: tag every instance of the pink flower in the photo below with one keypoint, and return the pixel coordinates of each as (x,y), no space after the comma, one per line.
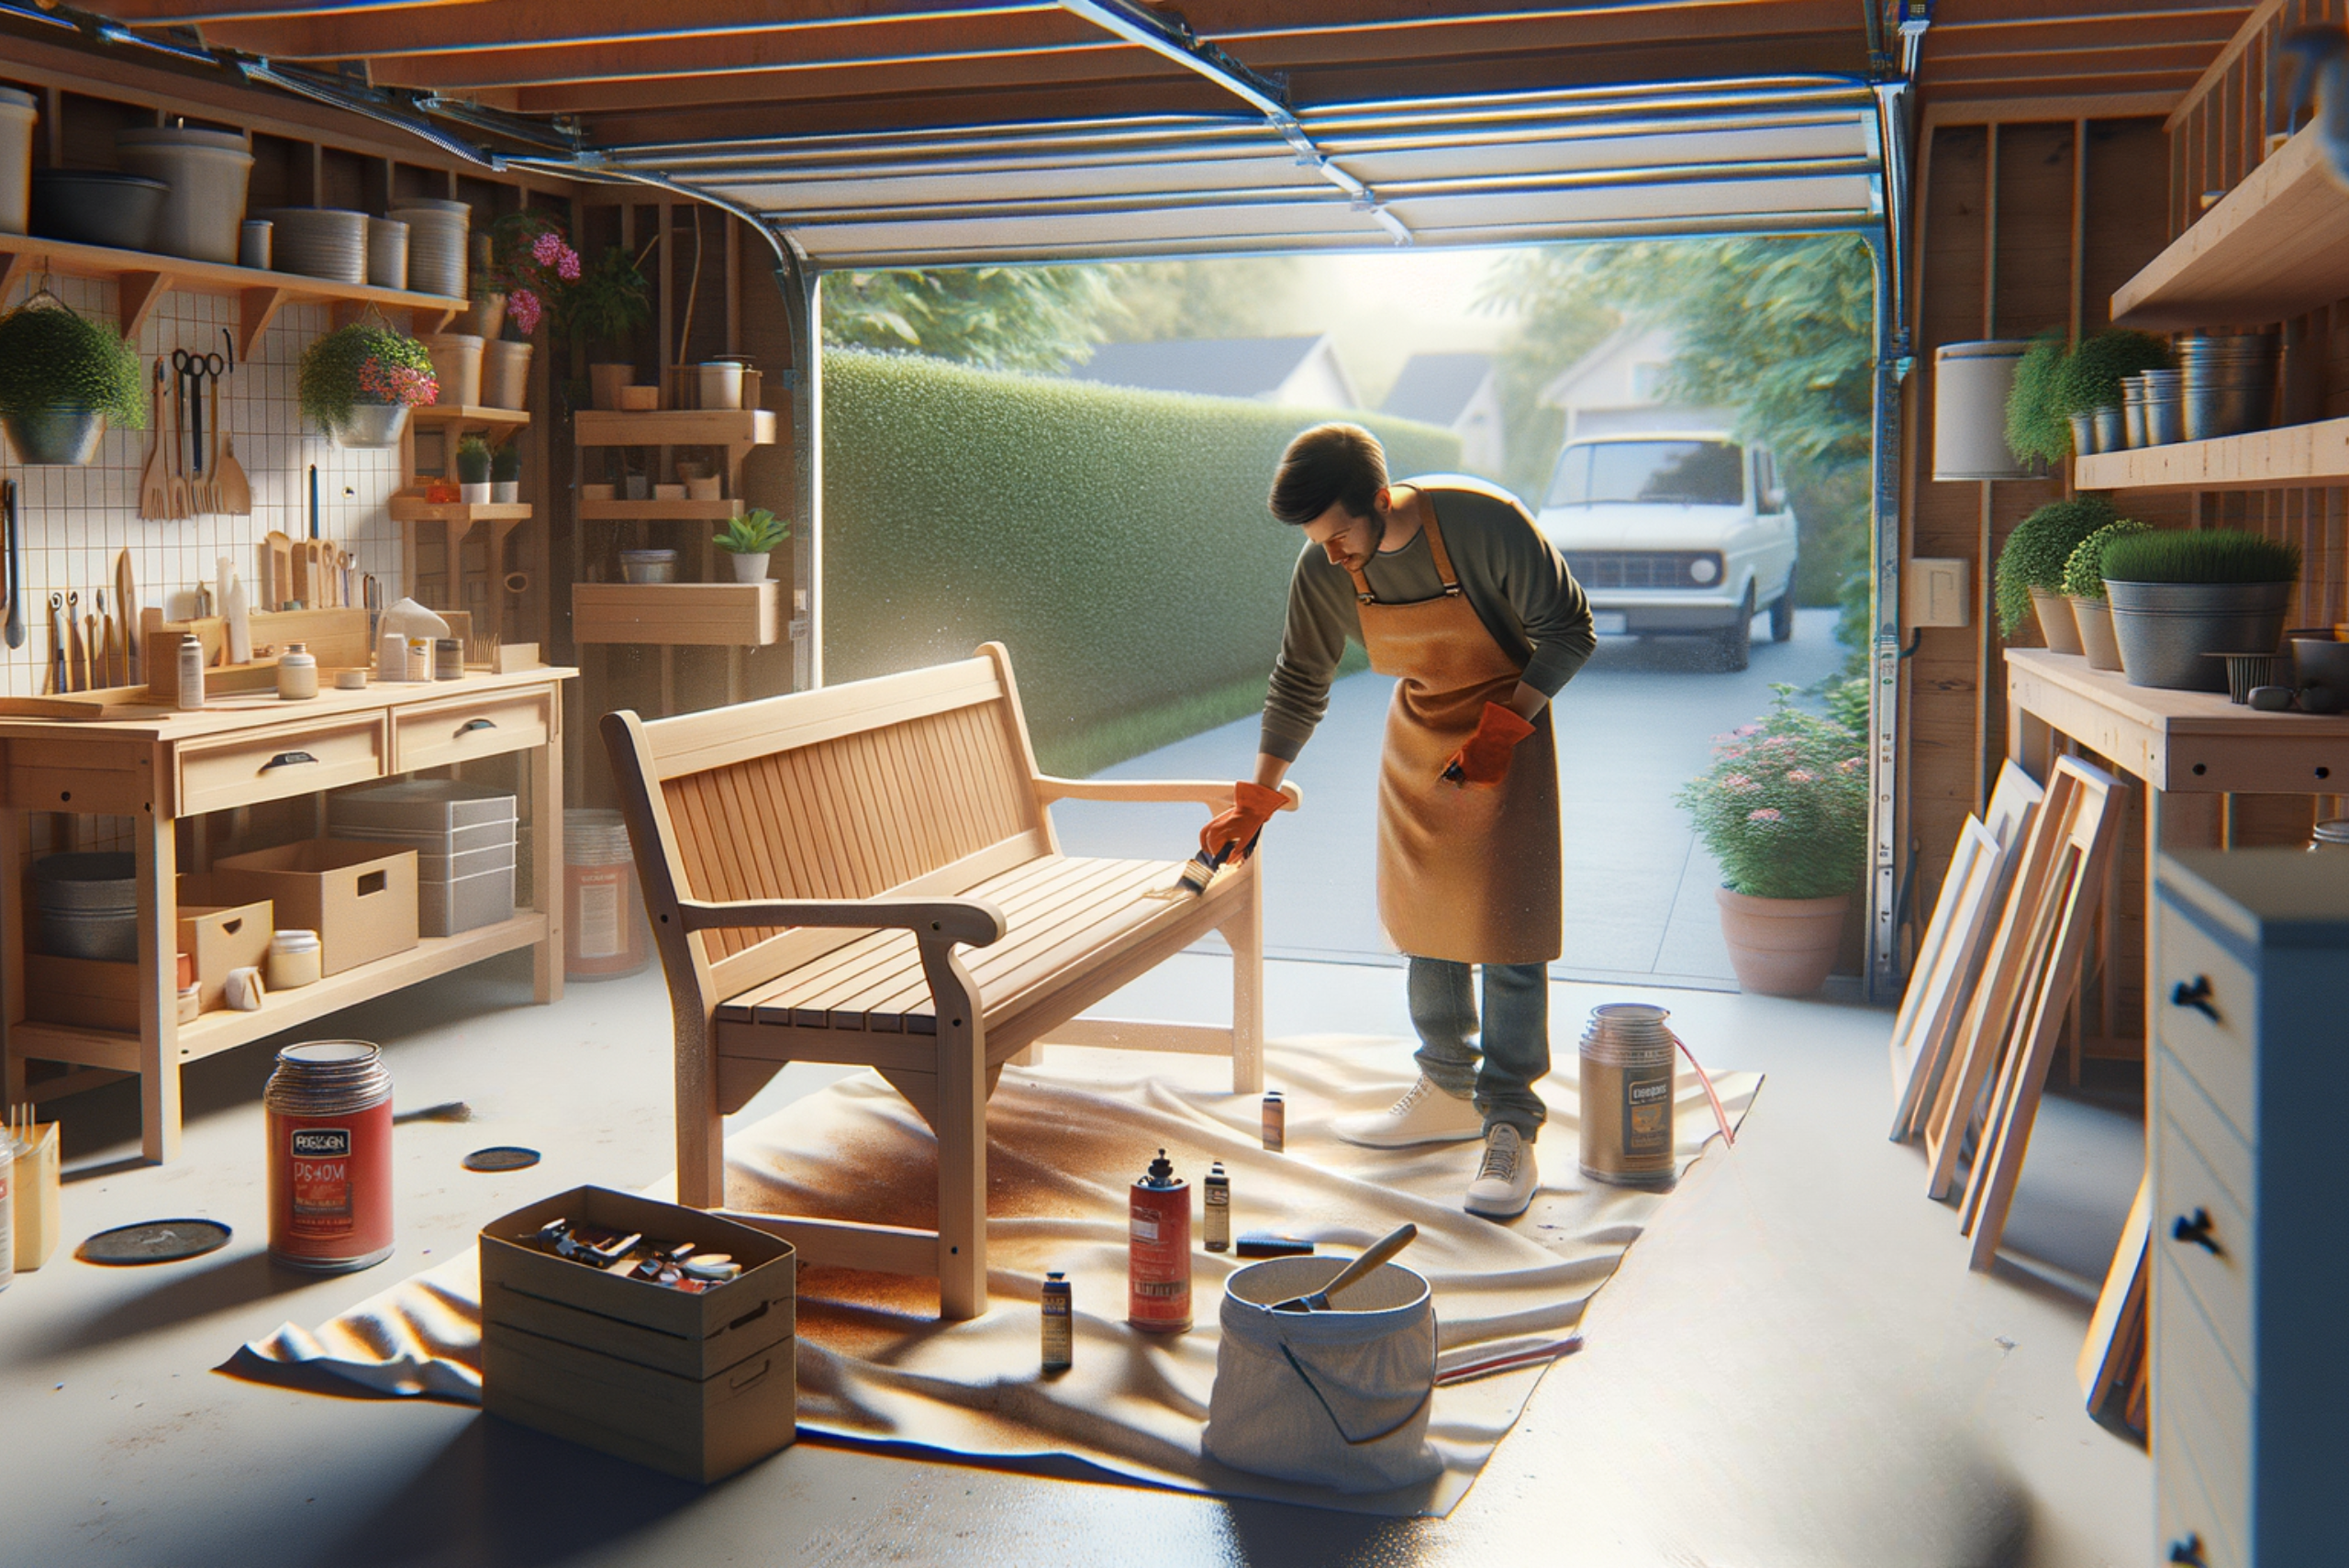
(1733,753)
(566,266)
(396,384)
(1747,730)
(1801,775)
(1765,813)
(546,248)
(1737,784)
(523,305)
(1851,764)
(1776,743)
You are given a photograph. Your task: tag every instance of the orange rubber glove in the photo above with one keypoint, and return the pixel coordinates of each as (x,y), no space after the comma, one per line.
(1484,762)
(1253,806)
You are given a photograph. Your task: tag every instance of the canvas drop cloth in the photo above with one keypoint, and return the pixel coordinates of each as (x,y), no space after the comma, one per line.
(1066,1141)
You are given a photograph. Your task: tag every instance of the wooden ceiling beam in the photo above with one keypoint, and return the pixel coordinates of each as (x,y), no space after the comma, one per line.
(198,13)
(869,47)
(672,122)
(1720,22)
(2207,32)
(2060,85)
(909,83)
(2083,65)
(421,26)
(1958,14)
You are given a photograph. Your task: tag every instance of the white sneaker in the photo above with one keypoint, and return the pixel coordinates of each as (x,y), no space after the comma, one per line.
(1506,1178)
(1424,1115)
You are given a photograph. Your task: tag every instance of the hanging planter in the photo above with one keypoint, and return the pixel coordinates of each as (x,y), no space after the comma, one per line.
(358,384)
(63,380)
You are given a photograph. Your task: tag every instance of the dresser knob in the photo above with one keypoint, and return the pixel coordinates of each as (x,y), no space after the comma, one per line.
(2188,1551)
(2196,996)
(2196,1229)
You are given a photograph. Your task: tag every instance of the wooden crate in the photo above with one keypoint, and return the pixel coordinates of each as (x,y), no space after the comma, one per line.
(693,1386)
(678,615)
(222,938)
(86,992)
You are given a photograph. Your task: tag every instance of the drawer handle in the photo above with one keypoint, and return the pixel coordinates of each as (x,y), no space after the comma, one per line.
(287,760)
(2196,1229)
(471,725)
(2196,996)
(2188,1551)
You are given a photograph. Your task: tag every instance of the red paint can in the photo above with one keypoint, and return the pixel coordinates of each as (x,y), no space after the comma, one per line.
(1158,1251)
(329,1105)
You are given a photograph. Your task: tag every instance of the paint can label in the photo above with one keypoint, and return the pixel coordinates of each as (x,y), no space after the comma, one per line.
(1647,1112)
(330,1186)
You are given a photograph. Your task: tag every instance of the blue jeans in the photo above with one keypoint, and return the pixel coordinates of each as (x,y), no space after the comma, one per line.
(1515,1039)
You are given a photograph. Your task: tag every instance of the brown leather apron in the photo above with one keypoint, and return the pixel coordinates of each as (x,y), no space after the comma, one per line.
(1466,874)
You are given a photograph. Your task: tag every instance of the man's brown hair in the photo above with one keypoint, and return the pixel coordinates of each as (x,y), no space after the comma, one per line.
(1329,465)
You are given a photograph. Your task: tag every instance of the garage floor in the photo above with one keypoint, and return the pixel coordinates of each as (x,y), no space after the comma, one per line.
(1793,1368)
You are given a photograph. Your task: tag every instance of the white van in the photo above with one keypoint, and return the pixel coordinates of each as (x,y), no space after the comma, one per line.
(1676,533)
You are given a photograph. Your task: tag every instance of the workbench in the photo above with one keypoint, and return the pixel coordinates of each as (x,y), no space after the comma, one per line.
(2192,752)
(160,768)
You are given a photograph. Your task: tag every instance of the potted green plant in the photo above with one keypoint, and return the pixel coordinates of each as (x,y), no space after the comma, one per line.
(2181,595)
(359,382)
(63,380)
(2030,568)
(2083,585)
(2088,386)
(607,302)
(530,264)
(750,539)
(2036,429)
(506,474)
(473,471)
(1783,811)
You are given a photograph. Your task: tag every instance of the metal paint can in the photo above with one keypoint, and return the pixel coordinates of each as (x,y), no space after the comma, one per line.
(1276,1121)
(1060,1323)
(1627,1071)
(1158,1251)
(329,1113)
(1215,1198)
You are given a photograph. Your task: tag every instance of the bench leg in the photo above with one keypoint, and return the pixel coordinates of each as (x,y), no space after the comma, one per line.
(1245,931)
(962,1127)
(701,1131)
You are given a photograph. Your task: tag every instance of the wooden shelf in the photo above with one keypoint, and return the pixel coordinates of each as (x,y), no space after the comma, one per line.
(502,424)
(2181,742)
(145,278)
(2276,246)
(674,428)
(662,511)
(2290,457)
(223,1031)
(678,615)
(408,509)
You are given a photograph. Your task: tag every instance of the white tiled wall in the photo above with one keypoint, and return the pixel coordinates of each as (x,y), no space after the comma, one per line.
(75,520)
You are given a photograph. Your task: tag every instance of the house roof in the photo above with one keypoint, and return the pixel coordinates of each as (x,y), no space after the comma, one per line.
(1435,388)
(1558,388)
(1211,367)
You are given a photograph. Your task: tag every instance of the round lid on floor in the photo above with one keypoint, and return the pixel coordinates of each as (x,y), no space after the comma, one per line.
(154,1241)
(502,1157)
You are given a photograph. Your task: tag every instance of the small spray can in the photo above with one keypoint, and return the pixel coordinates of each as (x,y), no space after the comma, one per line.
(1276,1121)
(1218,1191)
(1158,1251)
(1060,1338)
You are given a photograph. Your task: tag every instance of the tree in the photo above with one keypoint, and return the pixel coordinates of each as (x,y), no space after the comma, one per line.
(1560,319)
(1016,319)
(1247,296)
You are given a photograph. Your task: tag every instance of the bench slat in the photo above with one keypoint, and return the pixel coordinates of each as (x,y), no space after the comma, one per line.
(697,742)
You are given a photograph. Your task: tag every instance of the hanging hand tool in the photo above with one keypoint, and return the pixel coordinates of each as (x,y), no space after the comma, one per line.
(370,597)
(15,629)
(179,504)
(93,674)
(232,491)
(134,635)
(55,665)
(105,648)
(188,370)
(154,487)
(209,367)
(77,658)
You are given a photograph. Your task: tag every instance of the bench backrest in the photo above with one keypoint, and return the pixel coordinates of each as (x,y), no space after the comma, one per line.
(923,781)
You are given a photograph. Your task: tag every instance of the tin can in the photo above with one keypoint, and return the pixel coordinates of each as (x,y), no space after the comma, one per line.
(1158,1251)
(1060,1336)
(1626,1096)
(447,658)
(329,1105)
(1276,1121)
(1216,1196)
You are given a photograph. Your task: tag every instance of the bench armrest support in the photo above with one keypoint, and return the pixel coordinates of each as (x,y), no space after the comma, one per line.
(1215,796)
(972,920)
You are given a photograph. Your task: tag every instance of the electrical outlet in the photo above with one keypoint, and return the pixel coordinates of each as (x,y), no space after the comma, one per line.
(1935,592)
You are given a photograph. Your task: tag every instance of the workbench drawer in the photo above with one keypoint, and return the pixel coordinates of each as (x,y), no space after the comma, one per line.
(244,770)
(2190,1193)
(2206,1009)
(435,735)
(2201,1434)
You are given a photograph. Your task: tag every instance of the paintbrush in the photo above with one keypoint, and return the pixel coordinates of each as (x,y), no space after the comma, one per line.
(1200,869)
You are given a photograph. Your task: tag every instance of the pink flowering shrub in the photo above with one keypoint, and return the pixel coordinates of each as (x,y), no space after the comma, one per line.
(1784,807)
(531,260)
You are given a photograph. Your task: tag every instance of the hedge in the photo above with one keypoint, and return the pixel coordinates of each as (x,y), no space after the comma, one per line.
(1115,541)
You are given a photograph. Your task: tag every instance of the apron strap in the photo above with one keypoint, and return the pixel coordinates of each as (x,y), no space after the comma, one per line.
(1437,555)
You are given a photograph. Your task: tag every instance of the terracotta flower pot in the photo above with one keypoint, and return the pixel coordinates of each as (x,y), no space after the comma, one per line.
(2055,622)
(2095,618)
(1782,947)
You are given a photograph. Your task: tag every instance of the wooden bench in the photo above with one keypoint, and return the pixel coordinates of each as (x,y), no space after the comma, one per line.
(812,863)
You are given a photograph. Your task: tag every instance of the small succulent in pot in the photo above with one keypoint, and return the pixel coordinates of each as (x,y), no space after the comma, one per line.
(755,532)
(506,464)
(63,379)
(473,461)
(358,382)
(2035,555)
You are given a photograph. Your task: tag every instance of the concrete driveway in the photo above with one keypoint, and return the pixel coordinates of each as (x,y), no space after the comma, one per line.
(1632,726)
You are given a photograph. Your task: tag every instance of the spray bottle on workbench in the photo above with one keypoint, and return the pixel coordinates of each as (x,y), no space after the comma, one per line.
(1158,1251)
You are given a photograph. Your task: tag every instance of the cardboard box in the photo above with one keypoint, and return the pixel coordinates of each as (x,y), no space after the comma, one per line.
(360,899)
(696,1386)
(35,1196)
(221,939)
(86,992)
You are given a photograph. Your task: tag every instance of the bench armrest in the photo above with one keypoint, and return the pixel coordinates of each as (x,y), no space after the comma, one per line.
(972,920)
(1216,796)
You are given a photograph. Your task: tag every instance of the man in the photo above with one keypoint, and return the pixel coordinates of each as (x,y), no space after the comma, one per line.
(1450,589)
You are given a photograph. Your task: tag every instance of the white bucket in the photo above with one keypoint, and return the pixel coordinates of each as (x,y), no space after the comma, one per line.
(207,170)
(1337,1398)
(18,110)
